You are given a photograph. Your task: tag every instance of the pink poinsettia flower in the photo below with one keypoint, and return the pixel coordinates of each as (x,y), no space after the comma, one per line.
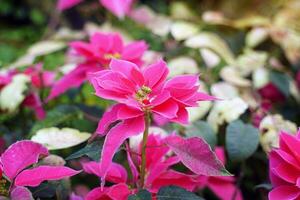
(158,164)
(285,168)
(97,55)
(139,91)
(39,79)
(23,154)
(222,186)
(119,8)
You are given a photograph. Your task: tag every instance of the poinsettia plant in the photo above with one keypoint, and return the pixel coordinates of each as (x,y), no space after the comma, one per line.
(152,99)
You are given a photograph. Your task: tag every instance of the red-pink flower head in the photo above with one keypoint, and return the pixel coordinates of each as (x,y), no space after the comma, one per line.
(140,91)
(147,90)
(97,54)
(103,47)
(285,168)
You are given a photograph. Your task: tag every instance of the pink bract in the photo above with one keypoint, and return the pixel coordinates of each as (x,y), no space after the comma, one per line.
(119,8)
(138,90)
(97,54)
(285,168)
(21,155)
(34,177)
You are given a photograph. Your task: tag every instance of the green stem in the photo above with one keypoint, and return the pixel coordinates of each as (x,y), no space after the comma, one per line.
(144,143)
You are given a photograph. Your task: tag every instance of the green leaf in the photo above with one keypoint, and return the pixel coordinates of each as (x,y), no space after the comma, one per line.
(92,150)
(204,130)
(241,140)
(281,81)
(59,115)
(174,193)
(141,195)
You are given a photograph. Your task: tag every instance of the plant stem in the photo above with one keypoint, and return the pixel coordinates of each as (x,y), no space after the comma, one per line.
(144,143)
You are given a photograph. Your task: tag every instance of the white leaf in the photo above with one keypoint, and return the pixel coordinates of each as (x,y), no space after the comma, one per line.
(256,36)
(182,30)
(231,75)
(45,47)
(249,61)
(182,65)
(55,138)
(224,90)
(13,94)
(226,111)
(260,78)
(210,58)
(270,127)
(213,42)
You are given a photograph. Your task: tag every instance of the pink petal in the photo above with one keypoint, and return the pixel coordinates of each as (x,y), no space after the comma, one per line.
(116,192)
(287,172)
(156,74)
(126,112)
(196,155)
(33,101)
(172,177)
(131,164)
(115,138)
(290,144)
(107,42)
(129,69)
(21,193)
(65,4)
(167,109)
(34,177)
(182,116)
(21,155)
(159,168)
(284,193)
(120,8)
(72,80)
(220,153)
(115,174)
(134,51)
(110,116)
(224,189)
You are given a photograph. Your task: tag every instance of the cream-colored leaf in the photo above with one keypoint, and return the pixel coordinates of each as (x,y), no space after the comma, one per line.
(55,138)
(13,94)
(226,111)
(270,128)
(232,75)
(182,30)
(210,58)
(256,36)
(182,65)
(180,10)
(213,42)
(160,25)
(224,90)
(45,47)
(260,78)
(23,61)
(250,60)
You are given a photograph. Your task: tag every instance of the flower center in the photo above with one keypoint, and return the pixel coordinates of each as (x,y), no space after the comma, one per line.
(142,95)
(109,56)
